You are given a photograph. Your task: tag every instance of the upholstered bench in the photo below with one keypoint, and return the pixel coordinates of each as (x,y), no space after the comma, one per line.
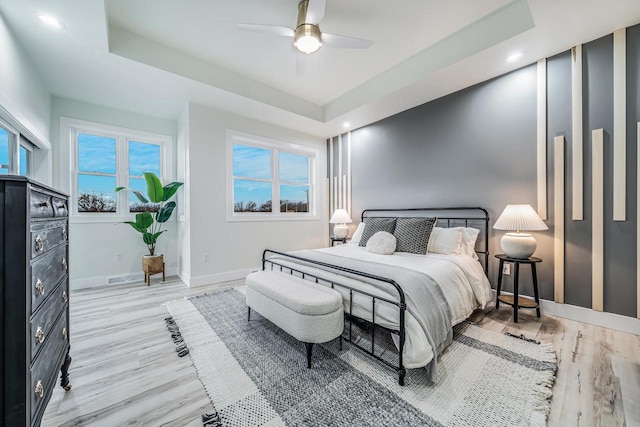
(307,311)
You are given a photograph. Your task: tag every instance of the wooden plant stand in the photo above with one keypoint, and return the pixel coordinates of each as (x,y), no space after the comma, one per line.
(152,265)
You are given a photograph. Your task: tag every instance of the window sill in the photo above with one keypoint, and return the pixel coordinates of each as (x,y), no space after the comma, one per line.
(270,218)
(103,219)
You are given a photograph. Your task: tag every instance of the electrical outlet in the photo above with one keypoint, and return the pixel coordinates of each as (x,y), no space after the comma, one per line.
(118,256)
(205,257)
(506,269)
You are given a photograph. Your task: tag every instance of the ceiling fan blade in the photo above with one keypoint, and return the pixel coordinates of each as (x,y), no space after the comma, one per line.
(301,64)
(334,40)
(315,11)
(276,30)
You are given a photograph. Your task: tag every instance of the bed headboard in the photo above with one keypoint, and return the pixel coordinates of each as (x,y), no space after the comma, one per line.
(447,218)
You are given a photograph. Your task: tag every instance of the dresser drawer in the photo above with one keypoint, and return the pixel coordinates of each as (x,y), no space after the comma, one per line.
(60,207)
(43,321)
(47,235)
(44,370)
(40,205)
(46,272)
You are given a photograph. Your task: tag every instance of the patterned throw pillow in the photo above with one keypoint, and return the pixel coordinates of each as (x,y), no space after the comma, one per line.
(412,234)
(373,225)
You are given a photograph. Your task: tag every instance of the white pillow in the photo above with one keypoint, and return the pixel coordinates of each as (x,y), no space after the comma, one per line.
(468,243)
(382,243)
(357,235)
(445,241)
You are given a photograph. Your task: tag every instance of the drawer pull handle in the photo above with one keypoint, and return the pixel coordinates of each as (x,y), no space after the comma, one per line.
(39,243)
(63,206)
(64,263)
(64,297)
(64,233)
(39,389)
(40,335)
(64,333)
(45,204)
(40,286)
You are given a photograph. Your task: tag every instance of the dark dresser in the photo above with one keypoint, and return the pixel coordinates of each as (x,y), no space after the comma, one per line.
(34,298)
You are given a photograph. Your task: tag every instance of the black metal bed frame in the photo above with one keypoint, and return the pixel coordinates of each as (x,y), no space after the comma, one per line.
(483,216)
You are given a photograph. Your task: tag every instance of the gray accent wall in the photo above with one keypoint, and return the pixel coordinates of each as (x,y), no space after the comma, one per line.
(477,147)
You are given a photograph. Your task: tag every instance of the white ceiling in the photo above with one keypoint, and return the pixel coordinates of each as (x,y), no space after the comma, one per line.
(152,56)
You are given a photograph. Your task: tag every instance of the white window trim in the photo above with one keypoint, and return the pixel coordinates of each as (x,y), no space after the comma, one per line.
(235,137)
(69,128)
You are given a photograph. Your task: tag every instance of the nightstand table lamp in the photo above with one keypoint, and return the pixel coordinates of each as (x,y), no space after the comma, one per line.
(519,218)
(340,218)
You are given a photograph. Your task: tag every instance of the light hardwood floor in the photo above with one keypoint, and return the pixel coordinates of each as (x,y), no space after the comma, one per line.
(125,370)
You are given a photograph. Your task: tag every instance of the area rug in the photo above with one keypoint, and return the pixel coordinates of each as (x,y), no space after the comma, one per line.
(256,375)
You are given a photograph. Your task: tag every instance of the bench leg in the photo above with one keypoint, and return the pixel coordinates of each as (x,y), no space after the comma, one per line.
(309,346)
(248,314)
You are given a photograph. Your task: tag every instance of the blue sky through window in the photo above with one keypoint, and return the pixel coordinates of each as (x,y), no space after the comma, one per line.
(293,167)
(251,191)
(4,150)
(143,158)
(24,160)
(251,162)
(96,153)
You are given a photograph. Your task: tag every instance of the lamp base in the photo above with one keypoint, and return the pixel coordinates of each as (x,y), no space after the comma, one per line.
(518,245)
(340,231)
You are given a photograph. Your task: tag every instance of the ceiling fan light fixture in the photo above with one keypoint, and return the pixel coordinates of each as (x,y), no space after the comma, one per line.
(307,38)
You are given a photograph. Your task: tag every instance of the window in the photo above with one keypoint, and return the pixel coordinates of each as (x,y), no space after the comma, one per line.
(4,152)
(108,157)
(25,160)
(269,179)
(15,158)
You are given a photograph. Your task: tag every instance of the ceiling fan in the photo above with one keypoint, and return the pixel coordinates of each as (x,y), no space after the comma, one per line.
(307,37)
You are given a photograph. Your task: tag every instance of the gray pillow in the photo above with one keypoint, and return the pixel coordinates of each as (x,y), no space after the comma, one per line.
(412,234)
(373,225)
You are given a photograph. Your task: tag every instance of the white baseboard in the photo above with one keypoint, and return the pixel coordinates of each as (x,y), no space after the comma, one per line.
(219,277)
(98,281)
(618,322)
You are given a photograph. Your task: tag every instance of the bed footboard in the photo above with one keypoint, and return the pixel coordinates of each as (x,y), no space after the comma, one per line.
(268,263)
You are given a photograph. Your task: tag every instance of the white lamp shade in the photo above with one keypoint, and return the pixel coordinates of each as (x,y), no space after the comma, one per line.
(340,216)
(520,218)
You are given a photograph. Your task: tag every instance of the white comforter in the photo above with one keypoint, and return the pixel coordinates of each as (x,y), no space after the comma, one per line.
(461,278)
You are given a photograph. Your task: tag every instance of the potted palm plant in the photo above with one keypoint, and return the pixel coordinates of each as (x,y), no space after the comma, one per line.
(157,210)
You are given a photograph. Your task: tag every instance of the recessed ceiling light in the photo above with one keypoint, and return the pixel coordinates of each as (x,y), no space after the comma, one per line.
(346,125)
(514,57)
(51,21)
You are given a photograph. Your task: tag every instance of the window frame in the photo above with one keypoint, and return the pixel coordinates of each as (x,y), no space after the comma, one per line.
(29,148)
(122,136)
(13,168)
(275,147)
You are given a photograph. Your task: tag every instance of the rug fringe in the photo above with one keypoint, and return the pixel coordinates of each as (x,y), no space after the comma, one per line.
(176,336)
(542,393)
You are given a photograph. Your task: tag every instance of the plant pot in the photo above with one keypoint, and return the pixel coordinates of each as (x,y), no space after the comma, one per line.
(152,264)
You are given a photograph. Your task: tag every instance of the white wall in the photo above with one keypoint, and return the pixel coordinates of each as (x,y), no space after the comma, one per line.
(25,98)
(182,167)
(234,247)
(93,246)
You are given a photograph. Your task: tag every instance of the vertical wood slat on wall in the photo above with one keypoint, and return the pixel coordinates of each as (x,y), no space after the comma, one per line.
(597,205)
(541,146)
(638,223)
(340,184)
(349,174)
(331,189)
(576,132)
(558,219)
(619,124)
